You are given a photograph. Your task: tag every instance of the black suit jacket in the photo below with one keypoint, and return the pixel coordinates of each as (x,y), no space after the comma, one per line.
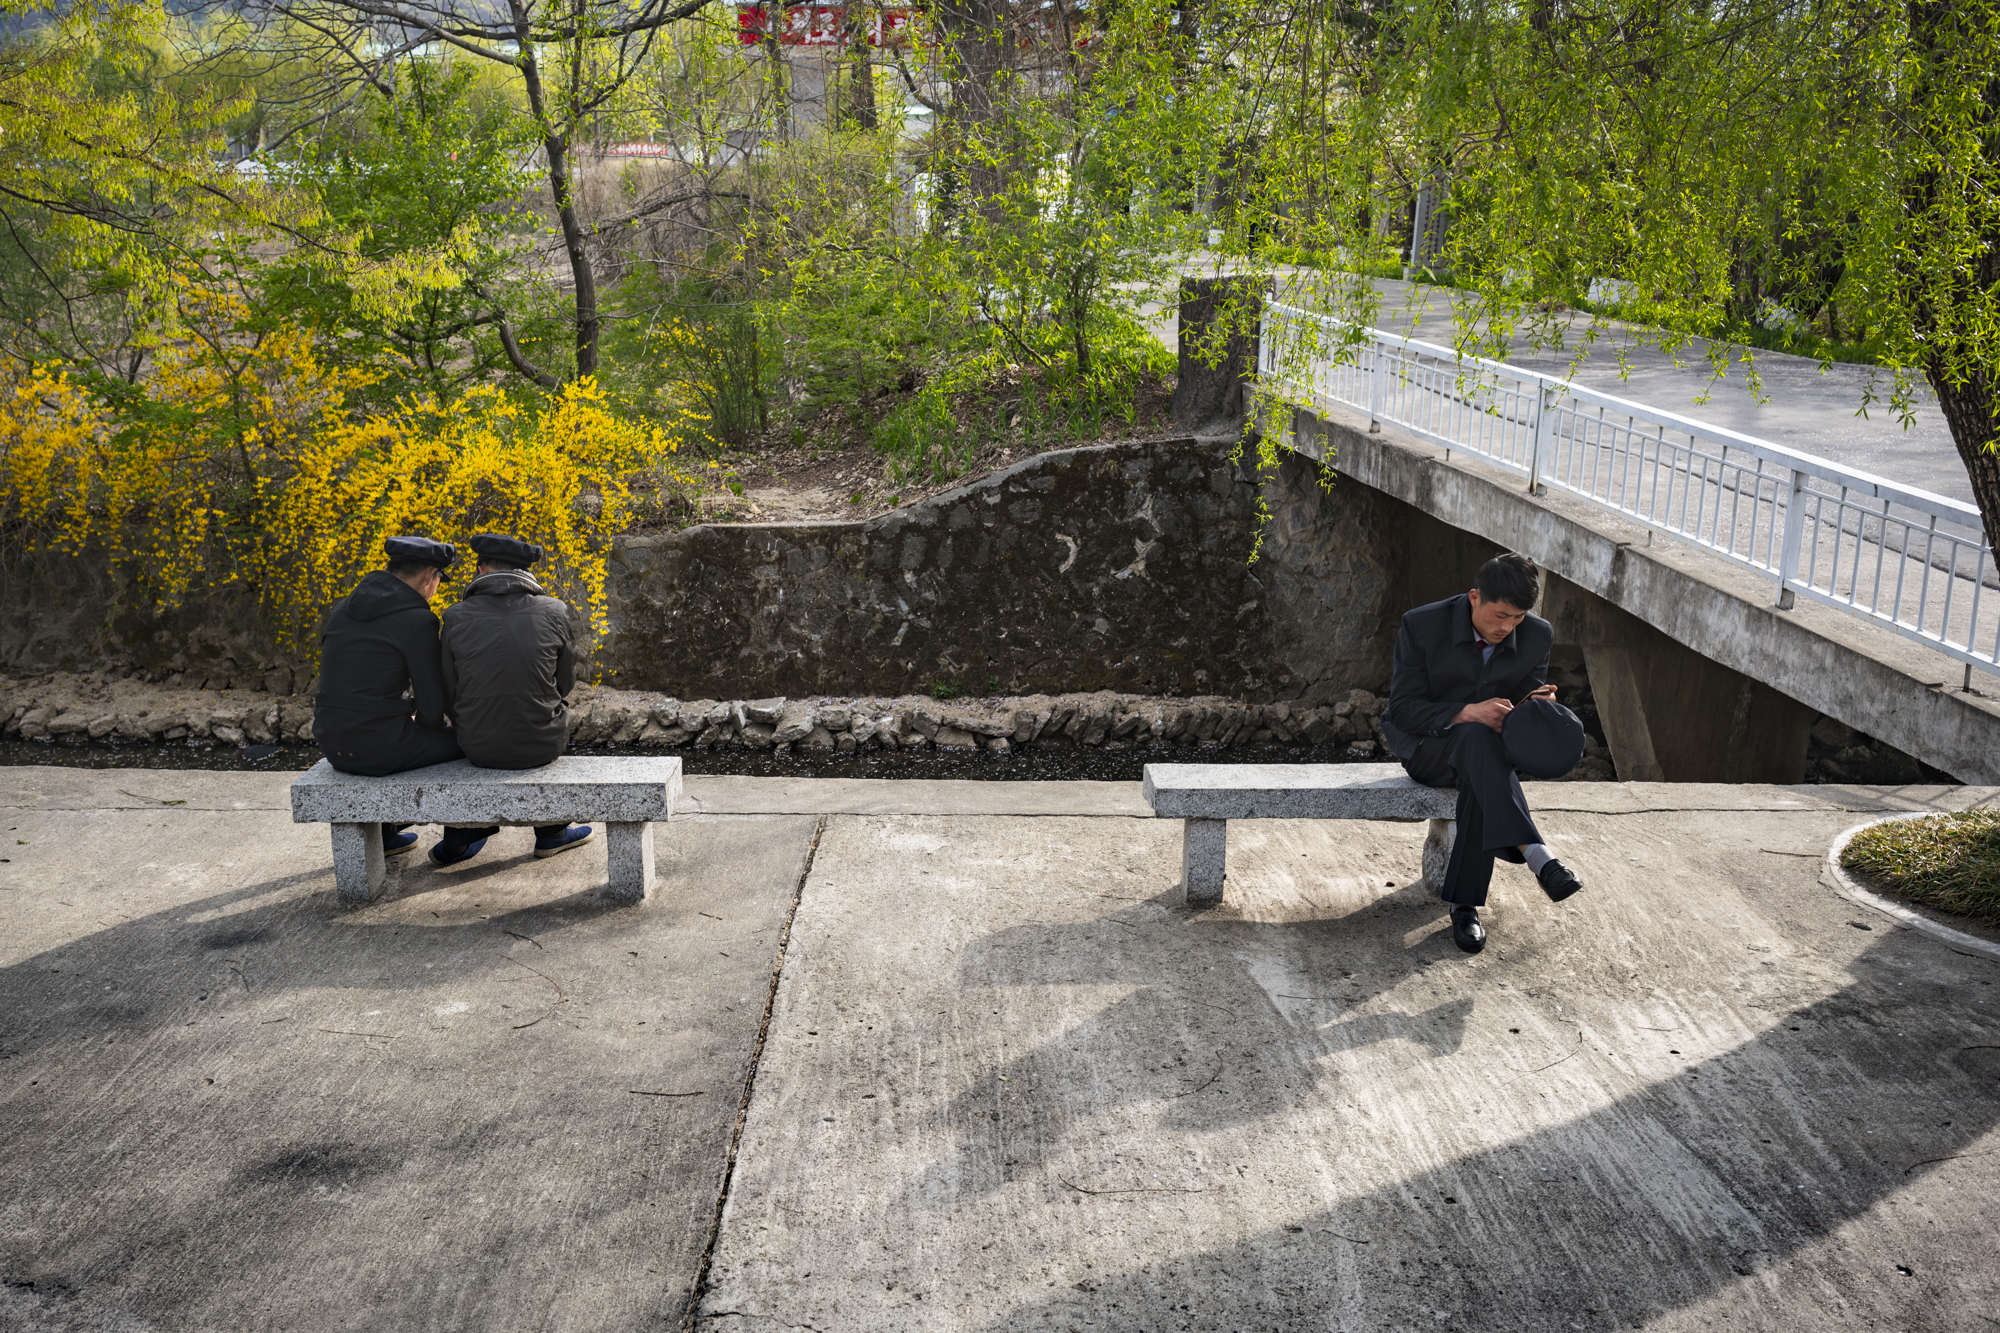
(1439,670)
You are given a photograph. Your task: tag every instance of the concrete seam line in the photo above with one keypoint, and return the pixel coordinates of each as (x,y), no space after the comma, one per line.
(699,1287)
(1850,888)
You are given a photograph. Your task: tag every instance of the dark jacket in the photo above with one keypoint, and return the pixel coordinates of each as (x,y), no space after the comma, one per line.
(1439,670)
(377,643)
(509,662)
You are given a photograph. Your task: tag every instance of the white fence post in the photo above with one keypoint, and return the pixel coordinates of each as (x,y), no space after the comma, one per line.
(1535,486)
(1788,555)
(1375,352)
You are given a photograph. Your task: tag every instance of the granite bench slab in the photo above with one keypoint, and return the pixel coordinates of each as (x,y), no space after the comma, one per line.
(627,794)
(1208,796)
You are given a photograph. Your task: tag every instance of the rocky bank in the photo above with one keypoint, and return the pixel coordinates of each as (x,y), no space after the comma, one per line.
(93,708)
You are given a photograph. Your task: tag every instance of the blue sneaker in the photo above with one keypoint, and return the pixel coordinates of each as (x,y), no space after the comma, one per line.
(395,844)
(441,856)
(557,843)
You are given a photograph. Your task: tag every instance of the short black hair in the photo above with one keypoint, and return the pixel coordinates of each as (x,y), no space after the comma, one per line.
(409,569)
(1512,579)
(493,563)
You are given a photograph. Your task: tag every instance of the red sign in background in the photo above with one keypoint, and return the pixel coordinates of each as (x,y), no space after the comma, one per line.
(816,25)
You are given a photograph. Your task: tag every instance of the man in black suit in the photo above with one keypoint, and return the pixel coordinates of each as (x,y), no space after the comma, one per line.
(382,701)
(1462,665)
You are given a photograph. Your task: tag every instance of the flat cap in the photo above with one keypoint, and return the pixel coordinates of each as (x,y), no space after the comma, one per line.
(1543,739)
(506,550)
(420,551)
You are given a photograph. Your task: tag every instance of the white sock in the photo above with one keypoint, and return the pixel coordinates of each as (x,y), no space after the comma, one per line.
(1538,856)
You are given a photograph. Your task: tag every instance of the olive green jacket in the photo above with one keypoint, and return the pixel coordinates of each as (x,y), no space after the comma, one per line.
(509,663)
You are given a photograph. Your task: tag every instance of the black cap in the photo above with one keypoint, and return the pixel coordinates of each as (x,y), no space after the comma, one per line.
(506,550)
(420,551)
(1543,739)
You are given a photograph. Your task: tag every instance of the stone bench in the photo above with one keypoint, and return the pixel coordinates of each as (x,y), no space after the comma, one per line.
(1208,796)
(626,795)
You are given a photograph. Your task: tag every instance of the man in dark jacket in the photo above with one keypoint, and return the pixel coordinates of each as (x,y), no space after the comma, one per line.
(1462,665)
(509,663)
(382,701)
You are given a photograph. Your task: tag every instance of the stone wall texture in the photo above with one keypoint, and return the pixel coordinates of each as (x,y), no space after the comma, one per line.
(1118,567)
(68,613)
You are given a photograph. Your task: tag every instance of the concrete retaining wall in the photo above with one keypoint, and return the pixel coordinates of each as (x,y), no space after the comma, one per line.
(1119,567)
(1116,567)
(68,613)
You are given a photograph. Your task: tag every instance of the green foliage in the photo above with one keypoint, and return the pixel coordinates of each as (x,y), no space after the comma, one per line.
(692,351)
(978,397)
(922,436)
(855,301)
(1082,191)
(426,183)
(117,190)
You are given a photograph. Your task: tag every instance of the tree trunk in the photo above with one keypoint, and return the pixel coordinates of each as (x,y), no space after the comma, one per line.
(585,276)
(562,193)
(981,39)
(1947,314)
(860,110)
(1968,410)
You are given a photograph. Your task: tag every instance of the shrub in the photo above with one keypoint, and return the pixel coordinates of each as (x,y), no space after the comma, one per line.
(555,471)
(212,477)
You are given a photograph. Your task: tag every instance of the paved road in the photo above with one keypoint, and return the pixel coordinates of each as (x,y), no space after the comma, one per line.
(1802,407)
(1008,1081)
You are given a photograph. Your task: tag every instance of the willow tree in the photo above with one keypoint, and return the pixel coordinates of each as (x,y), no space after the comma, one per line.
(1713,162)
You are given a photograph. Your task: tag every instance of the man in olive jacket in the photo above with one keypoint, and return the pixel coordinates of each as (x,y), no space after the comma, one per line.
(509,663)
(381,703)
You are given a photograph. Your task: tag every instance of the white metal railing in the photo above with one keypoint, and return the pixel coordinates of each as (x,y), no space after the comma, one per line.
(1900,557)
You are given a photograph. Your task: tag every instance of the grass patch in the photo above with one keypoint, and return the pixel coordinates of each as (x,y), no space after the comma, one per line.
(1946,861)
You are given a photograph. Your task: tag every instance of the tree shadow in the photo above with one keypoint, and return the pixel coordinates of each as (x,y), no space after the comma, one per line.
(1688,1187)
(1191,1037)
(206,1118)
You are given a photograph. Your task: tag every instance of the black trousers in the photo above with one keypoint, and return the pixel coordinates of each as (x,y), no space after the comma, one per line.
(456,840)
(381,746)
(1493,818)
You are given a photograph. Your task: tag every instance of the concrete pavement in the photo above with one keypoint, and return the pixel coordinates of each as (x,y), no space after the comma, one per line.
(1008,1081)
(226,1104)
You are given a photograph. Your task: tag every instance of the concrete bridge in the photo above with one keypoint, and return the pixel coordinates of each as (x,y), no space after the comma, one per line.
(1702,670)
(1698,675)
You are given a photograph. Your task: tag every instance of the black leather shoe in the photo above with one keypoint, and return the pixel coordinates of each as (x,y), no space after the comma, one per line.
(1466,932)
(1558,881)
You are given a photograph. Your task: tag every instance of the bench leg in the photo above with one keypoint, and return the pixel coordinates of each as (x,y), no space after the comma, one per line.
(628,854)
(1204,850)
(1437,852)
(359,867)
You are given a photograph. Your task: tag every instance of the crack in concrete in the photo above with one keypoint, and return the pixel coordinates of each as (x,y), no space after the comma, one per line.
(699,1287)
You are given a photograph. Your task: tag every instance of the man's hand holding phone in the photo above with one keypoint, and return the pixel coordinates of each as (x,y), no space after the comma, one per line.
(1491,713)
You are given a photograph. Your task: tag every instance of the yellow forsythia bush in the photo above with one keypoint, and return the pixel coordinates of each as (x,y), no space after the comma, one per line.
(255,469)
(555,474)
